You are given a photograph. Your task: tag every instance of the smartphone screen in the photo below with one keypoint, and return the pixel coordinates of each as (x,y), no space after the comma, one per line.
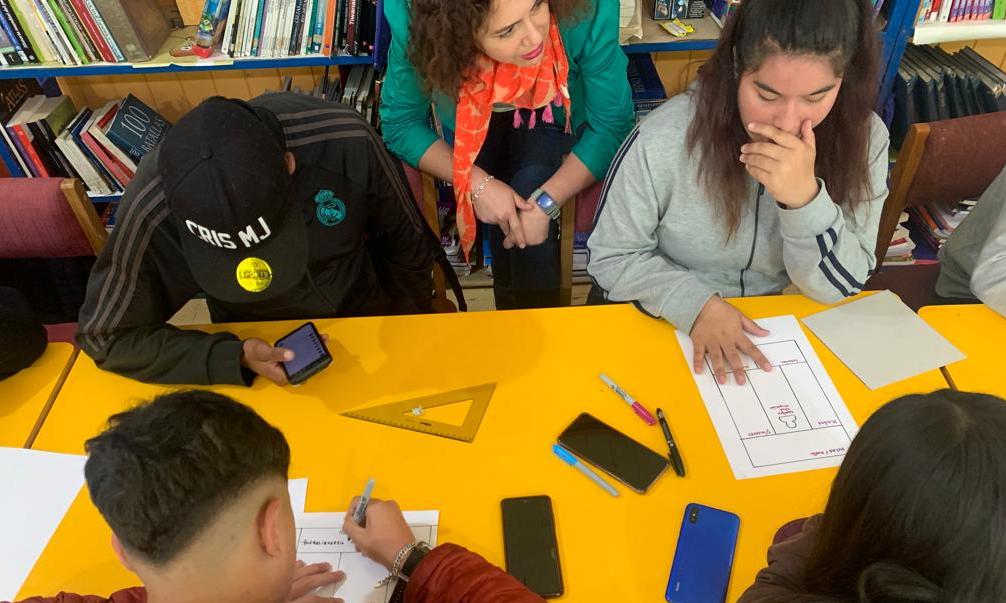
(309,353)
(703,557)
(617,454)
(532,555)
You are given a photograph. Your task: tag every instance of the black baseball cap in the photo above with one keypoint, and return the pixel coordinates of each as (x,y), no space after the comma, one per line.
(231,193)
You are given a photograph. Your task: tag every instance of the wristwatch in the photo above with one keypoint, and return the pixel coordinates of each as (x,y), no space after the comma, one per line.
(547,204)
(419,551)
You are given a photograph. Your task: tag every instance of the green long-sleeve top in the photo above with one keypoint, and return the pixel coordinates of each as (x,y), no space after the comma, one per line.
(601,100)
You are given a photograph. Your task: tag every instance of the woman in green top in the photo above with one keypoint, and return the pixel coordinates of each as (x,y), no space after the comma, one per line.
(503,76)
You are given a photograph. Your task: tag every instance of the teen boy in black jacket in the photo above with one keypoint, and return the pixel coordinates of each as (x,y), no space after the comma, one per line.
(285,207)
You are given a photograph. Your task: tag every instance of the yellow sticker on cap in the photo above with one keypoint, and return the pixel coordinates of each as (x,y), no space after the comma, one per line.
(254,275)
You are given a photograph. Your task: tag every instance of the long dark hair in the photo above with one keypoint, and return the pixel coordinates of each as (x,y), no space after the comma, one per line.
(443,37)
(841,30)
(917,511)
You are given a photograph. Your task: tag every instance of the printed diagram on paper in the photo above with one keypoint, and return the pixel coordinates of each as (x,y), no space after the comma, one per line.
(320,539)
(783,421)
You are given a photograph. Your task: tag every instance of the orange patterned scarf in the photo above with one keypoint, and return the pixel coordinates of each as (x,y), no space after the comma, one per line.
(532,87)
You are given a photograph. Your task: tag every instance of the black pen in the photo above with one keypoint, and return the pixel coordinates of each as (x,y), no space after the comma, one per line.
(679,466)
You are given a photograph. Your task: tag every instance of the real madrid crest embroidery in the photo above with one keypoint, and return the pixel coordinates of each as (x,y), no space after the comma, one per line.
(330,209)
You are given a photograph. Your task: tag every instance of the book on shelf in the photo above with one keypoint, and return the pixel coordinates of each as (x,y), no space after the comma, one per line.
(960,11)
(50,137)
(136,128)
(13,95)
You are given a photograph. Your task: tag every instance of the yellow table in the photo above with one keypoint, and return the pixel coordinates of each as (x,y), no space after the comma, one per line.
(25,397)
(979,333)
(546,364)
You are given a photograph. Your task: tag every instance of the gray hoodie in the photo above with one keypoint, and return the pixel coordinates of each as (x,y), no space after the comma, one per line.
(659,241)
(973,260)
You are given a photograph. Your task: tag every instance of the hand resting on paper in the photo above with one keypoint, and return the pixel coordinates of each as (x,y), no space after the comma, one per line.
(308,578)
(720,332)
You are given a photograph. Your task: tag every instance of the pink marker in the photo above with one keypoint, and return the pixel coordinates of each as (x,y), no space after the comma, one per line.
(636,406)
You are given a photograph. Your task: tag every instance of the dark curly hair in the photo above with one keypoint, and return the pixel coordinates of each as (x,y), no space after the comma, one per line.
(443,34)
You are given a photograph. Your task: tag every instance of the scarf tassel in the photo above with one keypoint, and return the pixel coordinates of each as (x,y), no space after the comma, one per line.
(547,116)
(517,121)
(533,120)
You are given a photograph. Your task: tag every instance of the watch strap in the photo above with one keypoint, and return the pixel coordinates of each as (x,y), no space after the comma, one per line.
(411,563)
(546,203)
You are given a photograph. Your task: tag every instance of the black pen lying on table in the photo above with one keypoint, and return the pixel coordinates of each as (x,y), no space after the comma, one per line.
(679,466)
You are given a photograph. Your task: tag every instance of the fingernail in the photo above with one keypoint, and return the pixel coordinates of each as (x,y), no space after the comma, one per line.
(743,157)
(751,126)
(288,356)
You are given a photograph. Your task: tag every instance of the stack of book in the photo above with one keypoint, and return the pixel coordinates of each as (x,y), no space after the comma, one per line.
(282,28)
(49,137)
(80,32)
(932,224)
(934,85)
(952,11)
(902,245)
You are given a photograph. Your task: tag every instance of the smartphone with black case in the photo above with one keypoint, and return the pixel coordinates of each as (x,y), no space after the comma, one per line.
(615,453)
(309,353)
(703,557)
(532,555)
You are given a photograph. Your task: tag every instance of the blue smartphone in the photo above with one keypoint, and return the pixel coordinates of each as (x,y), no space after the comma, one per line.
(703,557)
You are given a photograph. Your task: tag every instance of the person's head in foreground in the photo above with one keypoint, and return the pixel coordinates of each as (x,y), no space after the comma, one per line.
(917,511)
(194,487)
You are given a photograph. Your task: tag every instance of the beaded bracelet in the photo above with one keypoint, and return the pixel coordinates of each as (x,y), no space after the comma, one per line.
(481,187)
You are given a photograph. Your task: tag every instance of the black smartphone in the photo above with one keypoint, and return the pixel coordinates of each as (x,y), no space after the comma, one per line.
(309,353)
(615,453)
(532,555)
(705,552)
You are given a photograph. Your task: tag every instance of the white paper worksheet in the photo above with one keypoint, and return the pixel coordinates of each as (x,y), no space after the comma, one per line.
(783,421)
(320,539)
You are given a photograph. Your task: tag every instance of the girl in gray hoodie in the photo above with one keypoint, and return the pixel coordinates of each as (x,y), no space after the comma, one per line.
(770,171)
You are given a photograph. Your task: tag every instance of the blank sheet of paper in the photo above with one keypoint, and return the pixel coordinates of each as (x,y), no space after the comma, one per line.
(36,489)
(881,340)
(783,421)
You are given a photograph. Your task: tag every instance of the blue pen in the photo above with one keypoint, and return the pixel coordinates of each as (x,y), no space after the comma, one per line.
(360,514)
(567,457)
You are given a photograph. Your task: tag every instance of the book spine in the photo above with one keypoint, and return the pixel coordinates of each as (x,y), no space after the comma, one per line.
(22,153)
(122,29)
(297,31)
(103,31)
(327,39)
(36,38)
(9,47)
(24,136)
(340,26)
(73,19)
(20,32)
(52,32)
(118,172)
(110,180)
(283,23)
(933,12)
(351,18)
(243,46)
(64,25)
(999,12)
(230,32)
(93,33)
(43,141)
(55,32)
(314,31)
(11,157)
(306,33)
(81,165)
(260,18)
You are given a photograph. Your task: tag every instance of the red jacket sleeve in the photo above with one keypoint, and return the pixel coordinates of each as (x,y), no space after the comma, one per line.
(128,595)
(452,574)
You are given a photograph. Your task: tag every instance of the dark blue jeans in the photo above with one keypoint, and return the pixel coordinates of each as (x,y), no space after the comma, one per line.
(524,158)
